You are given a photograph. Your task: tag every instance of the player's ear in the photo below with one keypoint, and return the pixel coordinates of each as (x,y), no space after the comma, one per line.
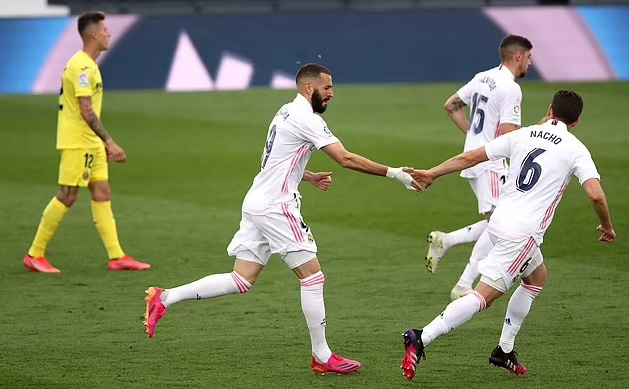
(518,56)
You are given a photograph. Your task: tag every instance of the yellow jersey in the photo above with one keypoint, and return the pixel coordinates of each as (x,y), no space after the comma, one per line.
(81,77)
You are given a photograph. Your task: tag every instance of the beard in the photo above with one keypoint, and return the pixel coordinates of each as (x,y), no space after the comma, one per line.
(317,102)
(523,73)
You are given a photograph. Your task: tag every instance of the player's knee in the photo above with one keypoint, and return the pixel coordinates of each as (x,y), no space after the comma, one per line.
(101,194)
(243,283)
(67,195)
(537,279)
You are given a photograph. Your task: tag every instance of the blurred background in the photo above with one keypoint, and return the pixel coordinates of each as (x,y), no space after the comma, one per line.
(202,45)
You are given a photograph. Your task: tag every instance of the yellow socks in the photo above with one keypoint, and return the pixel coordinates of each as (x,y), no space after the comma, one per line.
(106,226)
(50,220)
(52,216)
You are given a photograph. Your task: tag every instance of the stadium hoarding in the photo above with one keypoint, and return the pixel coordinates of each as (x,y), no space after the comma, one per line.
(233,52)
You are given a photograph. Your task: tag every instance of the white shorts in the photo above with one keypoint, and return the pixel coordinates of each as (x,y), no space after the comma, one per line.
(508,261)
(486,187)
(280,231)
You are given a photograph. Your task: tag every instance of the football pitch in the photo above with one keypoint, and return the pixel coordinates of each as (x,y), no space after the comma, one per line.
(191,159)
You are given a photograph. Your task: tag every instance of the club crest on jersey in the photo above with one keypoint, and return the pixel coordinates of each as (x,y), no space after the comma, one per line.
(84,80)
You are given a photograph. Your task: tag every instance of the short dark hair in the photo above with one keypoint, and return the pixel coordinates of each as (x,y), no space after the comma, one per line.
(311,70)
(513,43)
(567,106)
(89,18)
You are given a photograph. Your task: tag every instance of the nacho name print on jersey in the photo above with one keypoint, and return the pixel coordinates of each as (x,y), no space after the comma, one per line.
(546,135)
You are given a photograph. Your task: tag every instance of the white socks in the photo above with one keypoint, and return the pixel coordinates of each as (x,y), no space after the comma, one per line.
(214,285)
(466,234)
(519,306)
(314,310)
(455,314)
(229,283)
(481,249)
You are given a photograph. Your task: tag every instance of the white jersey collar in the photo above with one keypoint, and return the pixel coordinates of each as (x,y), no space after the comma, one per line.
(302,100)
(506,70)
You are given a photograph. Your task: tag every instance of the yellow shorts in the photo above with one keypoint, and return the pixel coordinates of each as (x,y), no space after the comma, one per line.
(79,167)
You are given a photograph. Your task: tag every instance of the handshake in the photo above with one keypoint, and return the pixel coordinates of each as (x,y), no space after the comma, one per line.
(417,180)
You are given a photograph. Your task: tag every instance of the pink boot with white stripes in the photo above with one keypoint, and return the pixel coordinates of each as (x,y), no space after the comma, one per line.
(336,364)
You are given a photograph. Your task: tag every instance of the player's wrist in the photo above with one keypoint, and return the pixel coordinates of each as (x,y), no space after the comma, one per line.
(393,172)
(398,174)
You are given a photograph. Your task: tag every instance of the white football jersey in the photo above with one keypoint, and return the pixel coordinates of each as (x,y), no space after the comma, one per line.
(543,160)
(494,98)
(293,135)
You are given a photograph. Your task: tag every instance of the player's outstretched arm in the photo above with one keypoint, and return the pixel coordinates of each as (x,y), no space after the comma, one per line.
(599,202)
(352,161)
(319,180)
(454,164)
(507,127)
(454,107)
(113,150)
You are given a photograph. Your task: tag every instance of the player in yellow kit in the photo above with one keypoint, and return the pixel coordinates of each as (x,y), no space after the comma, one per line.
(85,148)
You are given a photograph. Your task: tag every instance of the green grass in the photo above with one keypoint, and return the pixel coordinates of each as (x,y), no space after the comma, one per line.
(177,203)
